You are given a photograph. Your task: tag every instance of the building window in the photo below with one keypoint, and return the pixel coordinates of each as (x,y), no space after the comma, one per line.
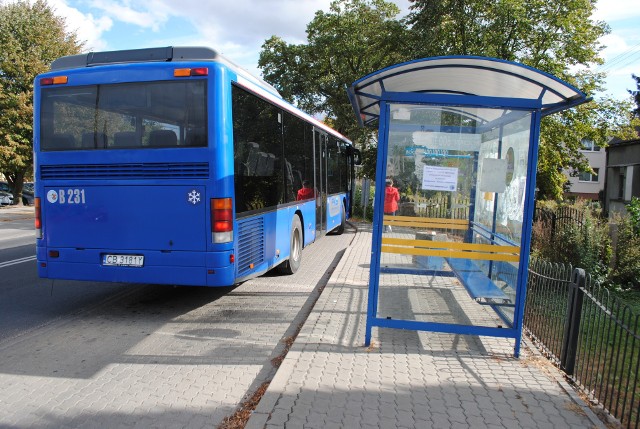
(622,181)
(589,146)
(588,177)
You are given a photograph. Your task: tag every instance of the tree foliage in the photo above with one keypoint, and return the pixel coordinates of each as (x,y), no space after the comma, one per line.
(636,96)
(31,37)
(354,38)
(357,37)
(554,37)
(550,36)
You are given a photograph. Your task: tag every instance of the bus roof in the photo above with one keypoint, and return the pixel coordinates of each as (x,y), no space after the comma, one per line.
(163,54)
(182,53)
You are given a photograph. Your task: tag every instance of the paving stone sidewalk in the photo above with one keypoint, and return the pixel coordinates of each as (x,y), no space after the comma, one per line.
(407,379)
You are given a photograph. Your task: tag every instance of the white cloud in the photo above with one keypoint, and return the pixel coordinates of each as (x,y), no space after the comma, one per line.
(614,45)
(616,10)
(88,27)
(151,14)
(238,28)
(249,22)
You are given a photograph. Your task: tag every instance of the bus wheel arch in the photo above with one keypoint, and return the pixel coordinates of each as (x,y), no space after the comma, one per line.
(296,243)
(343,218)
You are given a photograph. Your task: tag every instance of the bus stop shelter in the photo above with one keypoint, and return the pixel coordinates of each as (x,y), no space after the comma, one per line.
(458,136)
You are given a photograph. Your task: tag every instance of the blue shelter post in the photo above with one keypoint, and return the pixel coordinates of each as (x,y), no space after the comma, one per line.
(464,130)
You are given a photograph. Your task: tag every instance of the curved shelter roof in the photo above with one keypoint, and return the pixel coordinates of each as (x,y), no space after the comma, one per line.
(493,82)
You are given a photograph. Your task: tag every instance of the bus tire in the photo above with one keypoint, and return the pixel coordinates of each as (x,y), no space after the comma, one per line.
(343,221)
(291,265)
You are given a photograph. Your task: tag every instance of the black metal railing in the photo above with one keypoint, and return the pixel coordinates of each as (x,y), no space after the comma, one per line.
(589,333)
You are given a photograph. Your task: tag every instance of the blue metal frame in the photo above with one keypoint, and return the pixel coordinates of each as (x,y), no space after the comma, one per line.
(525,246)
(537,110)
(578,99)
(378,213)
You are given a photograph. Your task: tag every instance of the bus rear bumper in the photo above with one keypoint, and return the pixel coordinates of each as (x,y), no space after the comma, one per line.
(172,268)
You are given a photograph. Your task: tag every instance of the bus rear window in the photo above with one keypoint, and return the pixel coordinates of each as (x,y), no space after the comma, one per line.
(124,116)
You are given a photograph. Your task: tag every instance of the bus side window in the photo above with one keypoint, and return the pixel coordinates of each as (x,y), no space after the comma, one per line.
(253,157)
(266,163)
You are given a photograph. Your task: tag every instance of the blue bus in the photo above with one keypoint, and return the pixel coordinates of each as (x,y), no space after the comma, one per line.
(175,166)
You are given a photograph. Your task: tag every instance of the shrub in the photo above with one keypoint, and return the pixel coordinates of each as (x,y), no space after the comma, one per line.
(633,208)
(358,209)
(625,273)
(581,240)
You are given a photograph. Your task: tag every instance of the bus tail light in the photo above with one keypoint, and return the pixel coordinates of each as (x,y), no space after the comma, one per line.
(56,80)
(196,71)
(38,217)
(221,220)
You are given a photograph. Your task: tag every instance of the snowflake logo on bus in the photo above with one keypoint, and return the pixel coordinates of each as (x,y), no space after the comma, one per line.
(193,197)
(52,196)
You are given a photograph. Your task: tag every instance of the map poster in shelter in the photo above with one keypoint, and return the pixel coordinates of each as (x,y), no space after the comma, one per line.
(439,178)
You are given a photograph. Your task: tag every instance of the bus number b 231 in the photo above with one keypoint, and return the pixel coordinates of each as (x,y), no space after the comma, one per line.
(71,196)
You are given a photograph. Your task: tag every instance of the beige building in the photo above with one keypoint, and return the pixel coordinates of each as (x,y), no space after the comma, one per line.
(586,185)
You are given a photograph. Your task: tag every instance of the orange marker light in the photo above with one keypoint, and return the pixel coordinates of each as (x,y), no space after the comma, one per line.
(53,80)
(197,71)
(222,220)
(182,72)
(38,217)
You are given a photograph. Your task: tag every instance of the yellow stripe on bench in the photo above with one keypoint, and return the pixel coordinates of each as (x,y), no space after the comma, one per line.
(451,249)
(426,222)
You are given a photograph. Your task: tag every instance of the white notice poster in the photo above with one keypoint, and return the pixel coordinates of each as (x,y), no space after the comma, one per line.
(439,178)
(493,175)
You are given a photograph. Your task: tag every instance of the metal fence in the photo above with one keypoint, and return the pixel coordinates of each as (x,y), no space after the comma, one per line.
(561,217)
(589,333)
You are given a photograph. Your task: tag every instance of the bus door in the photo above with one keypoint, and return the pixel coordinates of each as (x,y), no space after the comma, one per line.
(320,155)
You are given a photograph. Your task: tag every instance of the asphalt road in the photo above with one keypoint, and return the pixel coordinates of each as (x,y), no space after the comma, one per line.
(26,301)
(85,354)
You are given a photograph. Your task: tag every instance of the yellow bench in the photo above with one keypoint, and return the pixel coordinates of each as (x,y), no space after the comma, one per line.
(450,249)
(426,222)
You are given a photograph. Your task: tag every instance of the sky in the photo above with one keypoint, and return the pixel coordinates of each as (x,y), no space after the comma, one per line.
(238,28)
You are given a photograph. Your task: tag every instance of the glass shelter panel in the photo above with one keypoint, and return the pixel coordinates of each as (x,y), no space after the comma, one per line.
(454,208)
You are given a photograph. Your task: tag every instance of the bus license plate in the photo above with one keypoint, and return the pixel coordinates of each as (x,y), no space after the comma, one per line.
(123,260)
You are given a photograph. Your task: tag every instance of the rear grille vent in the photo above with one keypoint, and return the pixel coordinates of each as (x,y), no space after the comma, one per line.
(165,170)
(250,244)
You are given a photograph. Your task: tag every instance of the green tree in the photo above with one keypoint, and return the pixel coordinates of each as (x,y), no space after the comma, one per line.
(31,37)
(353,39)
(556,37)
(636,96)
(551,36)
(358,37)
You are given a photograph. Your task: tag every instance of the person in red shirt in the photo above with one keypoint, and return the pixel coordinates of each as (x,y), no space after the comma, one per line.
(391,198)
(306,193)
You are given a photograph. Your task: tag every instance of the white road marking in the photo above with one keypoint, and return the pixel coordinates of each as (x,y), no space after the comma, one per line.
(17,261)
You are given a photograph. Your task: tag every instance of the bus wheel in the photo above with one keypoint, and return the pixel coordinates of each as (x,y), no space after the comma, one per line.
(343,221)
(291,265)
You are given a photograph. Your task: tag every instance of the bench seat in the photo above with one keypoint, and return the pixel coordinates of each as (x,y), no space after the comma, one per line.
(479,287)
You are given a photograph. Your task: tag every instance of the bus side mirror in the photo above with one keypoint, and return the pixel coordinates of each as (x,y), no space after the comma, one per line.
(355,154)
(357,157)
